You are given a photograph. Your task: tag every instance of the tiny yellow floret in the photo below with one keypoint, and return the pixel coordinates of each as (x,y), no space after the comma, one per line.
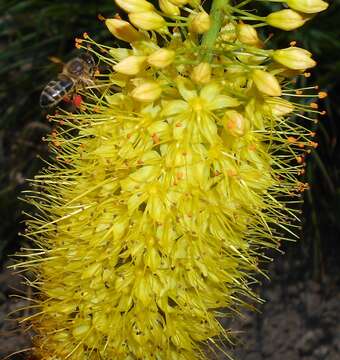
(294,58)
(169,8)
(247,34)
(131,65)
(148,20)
(123,30)
(307,6)
(286,19)
(200,23)
(133,6)
(201,73)
(147,92)
(161,58)
(266,83)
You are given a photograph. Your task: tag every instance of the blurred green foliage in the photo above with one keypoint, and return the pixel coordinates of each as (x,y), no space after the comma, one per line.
(31,31)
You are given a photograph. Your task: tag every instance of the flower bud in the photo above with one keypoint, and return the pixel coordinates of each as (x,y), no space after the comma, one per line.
(294,58)
(148,20)
(266,83)
(286,19)
(201,73)
(122,30)
(179,2)
(169,8)
(194,3)
(147,92)
(161,58)
(247,34)
(279,107)
(133,6)
(228,32)
(234,123)
(132,65)
(307,6)
(199,23)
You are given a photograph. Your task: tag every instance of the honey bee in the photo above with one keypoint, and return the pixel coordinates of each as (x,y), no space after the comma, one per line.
(76,73)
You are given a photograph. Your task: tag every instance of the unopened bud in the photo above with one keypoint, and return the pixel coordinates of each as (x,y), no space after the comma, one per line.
(201,73)
(169,8)
(294,58)
(279,107)
(122,30)
(179,2)
(132,65)
(307,6)
(147,92)
(228,32)
(247,34)
(149,20)
(266,83)
(161,58)
(199,23)
(133,6)
(234,123)
(286,19)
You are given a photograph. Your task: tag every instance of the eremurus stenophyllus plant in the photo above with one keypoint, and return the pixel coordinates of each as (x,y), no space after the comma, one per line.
(180,168)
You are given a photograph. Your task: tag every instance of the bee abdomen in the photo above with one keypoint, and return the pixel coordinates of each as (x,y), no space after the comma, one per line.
(54,91)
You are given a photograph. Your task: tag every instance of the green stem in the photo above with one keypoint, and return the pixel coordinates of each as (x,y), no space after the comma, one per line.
(209,38)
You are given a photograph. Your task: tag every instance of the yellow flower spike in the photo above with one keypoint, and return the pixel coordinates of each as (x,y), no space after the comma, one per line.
(247,34)
(201,74)
(294,58)
(266,83)
(131,65)
(169,8)
(160,203)
(134,6)
(148,20)
(199,23)
(161,58)
(123,30)
(286,19)
(307,6)
(147,92)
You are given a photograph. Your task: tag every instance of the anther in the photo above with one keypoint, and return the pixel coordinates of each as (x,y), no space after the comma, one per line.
(322,94)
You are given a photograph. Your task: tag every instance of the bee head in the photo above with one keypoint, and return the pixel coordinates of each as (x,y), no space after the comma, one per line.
(89,60)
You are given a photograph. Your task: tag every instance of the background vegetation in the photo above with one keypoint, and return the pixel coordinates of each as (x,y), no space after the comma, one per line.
(32,31)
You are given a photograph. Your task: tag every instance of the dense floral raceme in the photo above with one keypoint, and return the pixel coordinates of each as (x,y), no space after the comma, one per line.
(179,167)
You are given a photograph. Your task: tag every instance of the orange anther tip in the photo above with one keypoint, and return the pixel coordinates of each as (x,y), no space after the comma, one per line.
(85,35)
(324,112)
(312,134)
(292,43)
(298,92)
(101,17)
(77,45)
(307,74)
(291,139)
(314,105)
(322,94)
